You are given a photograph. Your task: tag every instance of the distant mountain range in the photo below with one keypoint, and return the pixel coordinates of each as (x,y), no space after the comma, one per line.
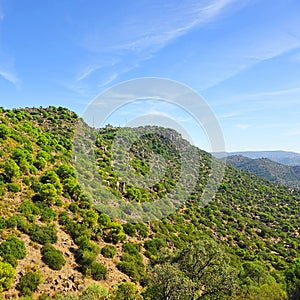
(282,157)
(268,169)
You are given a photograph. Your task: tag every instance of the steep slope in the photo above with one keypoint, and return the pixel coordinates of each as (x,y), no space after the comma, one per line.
(255,223)
(268,169)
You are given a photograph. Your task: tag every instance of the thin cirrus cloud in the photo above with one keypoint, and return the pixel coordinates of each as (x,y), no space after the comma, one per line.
(6,65)
(182,20)
(253,49)
(11,78)
(138,40)
(294,132)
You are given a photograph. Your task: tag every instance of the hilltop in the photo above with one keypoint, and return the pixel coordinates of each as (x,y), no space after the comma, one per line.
(54,242)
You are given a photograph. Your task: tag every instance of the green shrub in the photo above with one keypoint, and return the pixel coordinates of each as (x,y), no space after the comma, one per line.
(13,187)
(133,249)
(11,169)
(29,209)
(126,291)
(7,274)
(29,283)
(13,246)
(134,271)
(108,251)
(10,259)
(129,229)
(52,257)
(48,214)
(94,291)
(98,271)
(43,234)
(4,132)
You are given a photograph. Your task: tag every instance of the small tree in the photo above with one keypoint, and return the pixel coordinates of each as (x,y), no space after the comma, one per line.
(48,193)
(11,169)
(126,291)
(7,274)
(29,283)
(4,132)
(13,246)
(108,251)
(52,257)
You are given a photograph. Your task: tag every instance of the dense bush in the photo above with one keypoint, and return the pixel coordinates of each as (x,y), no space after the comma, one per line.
(4,132)
(29,283)
(131,262)
(94,291)
(129,229)
(43,234)
(52,257)
(11,169)
(126,291)
(98,271)
(13,246)
(13,187)
(7,274)
(108,251)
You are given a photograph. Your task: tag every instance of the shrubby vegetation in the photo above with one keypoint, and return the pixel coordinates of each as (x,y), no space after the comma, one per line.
(52,257)
(243,245)
(29,283)
(7,274)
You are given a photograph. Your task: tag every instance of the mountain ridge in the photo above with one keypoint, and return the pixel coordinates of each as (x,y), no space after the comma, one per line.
(268,169)
(280,156)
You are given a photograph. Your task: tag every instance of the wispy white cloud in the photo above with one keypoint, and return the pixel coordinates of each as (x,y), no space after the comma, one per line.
(282,92)
(253,102)
(294,132)
(110,79)
(137,39)
(229,115)
(87,71)
(156,34)
(256,45)
(243,126)
(10,77)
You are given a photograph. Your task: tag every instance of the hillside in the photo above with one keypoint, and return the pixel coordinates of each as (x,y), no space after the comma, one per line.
(283,157)
(268,169)
(56,244)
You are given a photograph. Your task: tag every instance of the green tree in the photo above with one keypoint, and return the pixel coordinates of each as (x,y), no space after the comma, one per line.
(13,246)
(52,257)
(98,271)
(109,251)
(11,169)
(292,275)
(48,192)
(52,178)
(90,217)
(94,291)
(4,132)
(7,274)
(168,282)
(203,268)
(126,291)
(29,283)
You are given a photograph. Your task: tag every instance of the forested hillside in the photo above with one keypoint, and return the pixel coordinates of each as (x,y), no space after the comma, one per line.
(268,169)
(56,244)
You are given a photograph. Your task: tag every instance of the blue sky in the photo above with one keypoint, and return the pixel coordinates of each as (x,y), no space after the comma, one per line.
(241,56)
